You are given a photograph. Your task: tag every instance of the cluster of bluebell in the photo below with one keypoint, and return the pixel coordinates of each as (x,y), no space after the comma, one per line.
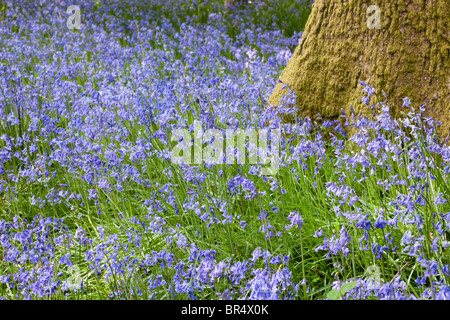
(128,268)
(93,207)
(413,222)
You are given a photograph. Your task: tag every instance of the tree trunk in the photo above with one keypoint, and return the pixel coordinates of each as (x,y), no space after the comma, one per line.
(407,54)
(229,3)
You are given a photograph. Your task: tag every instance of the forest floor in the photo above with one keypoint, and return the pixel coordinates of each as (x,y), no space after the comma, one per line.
(94,206)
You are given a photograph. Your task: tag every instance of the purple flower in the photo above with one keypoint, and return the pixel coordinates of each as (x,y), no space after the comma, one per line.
(406,102)
(296,220)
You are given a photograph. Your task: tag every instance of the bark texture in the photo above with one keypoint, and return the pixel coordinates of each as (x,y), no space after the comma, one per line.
(409,55)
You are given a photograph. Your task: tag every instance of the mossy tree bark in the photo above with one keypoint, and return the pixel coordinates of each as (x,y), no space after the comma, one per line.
(229,3)
(408,55)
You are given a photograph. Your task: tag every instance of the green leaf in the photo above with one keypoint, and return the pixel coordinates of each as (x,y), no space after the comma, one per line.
(348,286)
(334,295)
